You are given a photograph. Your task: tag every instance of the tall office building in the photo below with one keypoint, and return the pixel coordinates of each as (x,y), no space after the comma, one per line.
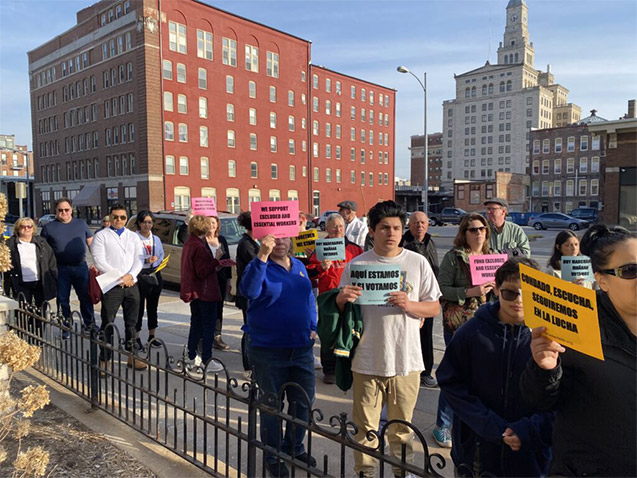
(486,127)
(152,103)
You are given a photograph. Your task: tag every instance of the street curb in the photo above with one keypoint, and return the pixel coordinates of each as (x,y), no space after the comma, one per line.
(161,461)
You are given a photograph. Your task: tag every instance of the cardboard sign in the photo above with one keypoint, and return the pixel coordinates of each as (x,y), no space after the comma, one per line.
(330,249)
(280,218)
(377,282)
(568,311)
(483,267)
(203,206)
(577,267)
(305,240)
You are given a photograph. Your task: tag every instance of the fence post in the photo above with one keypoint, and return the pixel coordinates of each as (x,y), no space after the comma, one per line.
(93,369)
(252,430)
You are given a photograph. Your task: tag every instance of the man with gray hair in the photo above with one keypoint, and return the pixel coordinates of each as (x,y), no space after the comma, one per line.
(355,228)
(506,236)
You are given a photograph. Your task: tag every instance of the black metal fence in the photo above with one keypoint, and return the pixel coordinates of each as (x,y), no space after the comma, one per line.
(209,419)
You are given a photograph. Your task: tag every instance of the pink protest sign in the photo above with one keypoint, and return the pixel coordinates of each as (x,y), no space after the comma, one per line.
(280,218)
(204,206)
(483,267)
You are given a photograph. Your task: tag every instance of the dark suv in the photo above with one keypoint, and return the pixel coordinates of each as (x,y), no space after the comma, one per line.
(588,214)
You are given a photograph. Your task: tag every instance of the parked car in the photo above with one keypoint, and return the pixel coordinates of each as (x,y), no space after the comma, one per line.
(47,218)
(557,220)
(11,218)
(588,214)
(320,221)
(449,215)
(172,229)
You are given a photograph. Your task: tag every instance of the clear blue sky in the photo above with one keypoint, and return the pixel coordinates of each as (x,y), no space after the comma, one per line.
(591,46)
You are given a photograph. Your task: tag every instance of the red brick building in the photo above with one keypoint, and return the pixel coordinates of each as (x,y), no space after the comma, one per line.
(434,154)
(153,108)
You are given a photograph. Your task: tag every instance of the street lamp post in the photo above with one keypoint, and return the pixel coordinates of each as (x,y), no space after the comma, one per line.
(425,187)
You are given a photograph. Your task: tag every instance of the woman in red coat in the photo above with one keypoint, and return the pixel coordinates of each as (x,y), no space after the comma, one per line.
(200,288)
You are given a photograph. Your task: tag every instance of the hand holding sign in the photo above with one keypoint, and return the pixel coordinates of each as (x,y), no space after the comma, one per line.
(480,290)
(544,350)
(267,245)
(399,299)
(348,293)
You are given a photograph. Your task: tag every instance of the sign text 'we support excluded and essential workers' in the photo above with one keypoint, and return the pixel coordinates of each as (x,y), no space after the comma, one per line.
(280,218)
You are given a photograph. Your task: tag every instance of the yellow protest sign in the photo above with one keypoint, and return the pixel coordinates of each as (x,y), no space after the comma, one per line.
(305,240)
(567,310)
(163,264)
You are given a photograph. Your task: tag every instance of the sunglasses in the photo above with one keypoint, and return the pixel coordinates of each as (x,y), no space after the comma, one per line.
(627,271)
(26,226)
(64,210)
(116,217)
(476,230)
(510,295)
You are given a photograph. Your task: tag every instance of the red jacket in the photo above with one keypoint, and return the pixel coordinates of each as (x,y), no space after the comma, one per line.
(198,272)
(329,279)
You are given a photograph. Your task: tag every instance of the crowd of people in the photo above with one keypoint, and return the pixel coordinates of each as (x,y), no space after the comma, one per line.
(512,401)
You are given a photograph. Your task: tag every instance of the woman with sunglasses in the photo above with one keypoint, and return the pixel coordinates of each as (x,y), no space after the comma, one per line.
(596,421)
(460,298)
(33,266)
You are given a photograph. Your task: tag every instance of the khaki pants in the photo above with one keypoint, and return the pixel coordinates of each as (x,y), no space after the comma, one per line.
(399,393)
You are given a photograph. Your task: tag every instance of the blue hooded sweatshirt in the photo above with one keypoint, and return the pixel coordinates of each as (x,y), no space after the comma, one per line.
(479,377)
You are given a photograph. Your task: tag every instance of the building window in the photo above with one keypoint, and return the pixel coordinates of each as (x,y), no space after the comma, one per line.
(252,113)
(168,101)
(183,165)
(170,165)
(169,131)
(328,175)
(252,58)
(205,168)
(272,120)
(315,82)
(254,170)
(594,165)
(570,145)
(557,166)
(583,165)
(232,168)
(181,73)
(570,166)
(582,190)
(183,133)
(229,84)
(229,51)
(203,136)
(254,195)
(231,139)
(557,188)
(290,123)
(230,112)
(291,146)
(273,144)
(177,37)
(274,195)
(204,44)
(594,187)
(253,141)
(203,78)
(570,190)
(316,175)
(558,145)
(545,166)
(583,143)
(272,94)
(272,64)
(546,146)
(203,107)
(292,173)
(182,105)
(595,143)
(232,200)
(274,171)
(290,98)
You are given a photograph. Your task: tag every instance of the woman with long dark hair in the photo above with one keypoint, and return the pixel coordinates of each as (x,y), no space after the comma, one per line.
(150,282)
(566,244)
(595,431)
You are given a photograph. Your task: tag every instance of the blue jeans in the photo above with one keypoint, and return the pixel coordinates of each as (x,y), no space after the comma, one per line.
(76,276)
(444,417)
(274,367)
(202,327)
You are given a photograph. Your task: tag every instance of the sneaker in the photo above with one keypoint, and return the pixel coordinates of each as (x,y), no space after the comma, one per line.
(317,364)
(219,344)
(428,381)
(307,459)
(247,374)
(193,363)
(213,366)
(442,436)
(138,344)
(137,364)
(86,329)
(277,469)
(329,378)
(66,335)
(153,342)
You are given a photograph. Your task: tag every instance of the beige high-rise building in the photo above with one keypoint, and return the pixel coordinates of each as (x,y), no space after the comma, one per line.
(486,127)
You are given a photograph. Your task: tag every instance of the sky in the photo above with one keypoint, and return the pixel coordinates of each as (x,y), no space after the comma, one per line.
(590,45)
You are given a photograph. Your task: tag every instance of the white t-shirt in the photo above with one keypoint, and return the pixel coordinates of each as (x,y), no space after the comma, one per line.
(28,261)
(390,344)
(356,231)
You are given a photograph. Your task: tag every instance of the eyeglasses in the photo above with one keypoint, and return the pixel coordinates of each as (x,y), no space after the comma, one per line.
(64,210)
(477,230)
(510,295)
(26,226)
(627,271)
(116,217)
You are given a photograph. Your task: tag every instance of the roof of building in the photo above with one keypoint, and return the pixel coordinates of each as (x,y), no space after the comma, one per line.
(515,3)
(593,118)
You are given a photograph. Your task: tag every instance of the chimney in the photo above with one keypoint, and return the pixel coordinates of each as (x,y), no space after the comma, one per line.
(631,109)
(548,68)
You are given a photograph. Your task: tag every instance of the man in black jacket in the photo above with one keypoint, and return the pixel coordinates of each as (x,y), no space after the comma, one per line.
(418,240)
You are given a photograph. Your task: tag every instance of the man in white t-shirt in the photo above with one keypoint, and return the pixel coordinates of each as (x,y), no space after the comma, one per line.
(388,361)
(355,228)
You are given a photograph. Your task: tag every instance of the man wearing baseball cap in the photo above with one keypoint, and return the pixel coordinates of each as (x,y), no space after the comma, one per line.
(355,228)
(506,236)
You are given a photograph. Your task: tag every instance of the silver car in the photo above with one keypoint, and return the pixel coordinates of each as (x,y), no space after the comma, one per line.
(557,220)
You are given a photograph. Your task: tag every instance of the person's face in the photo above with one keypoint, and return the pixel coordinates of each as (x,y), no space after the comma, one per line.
(26,230)
(418,225)
(281,247)
(347,214)
(335,228)
(118,218)
(213,227)
(106,223)
(622,292)
(511,311)
(387,236)
(146,225)
(476,234)
(496,214)
(302,222)
(64,212)
(570,247)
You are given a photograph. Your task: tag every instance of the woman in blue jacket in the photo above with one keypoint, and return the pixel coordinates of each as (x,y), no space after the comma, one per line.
(281,326)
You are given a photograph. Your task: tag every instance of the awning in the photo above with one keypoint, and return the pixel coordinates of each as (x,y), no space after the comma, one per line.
(88,196)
